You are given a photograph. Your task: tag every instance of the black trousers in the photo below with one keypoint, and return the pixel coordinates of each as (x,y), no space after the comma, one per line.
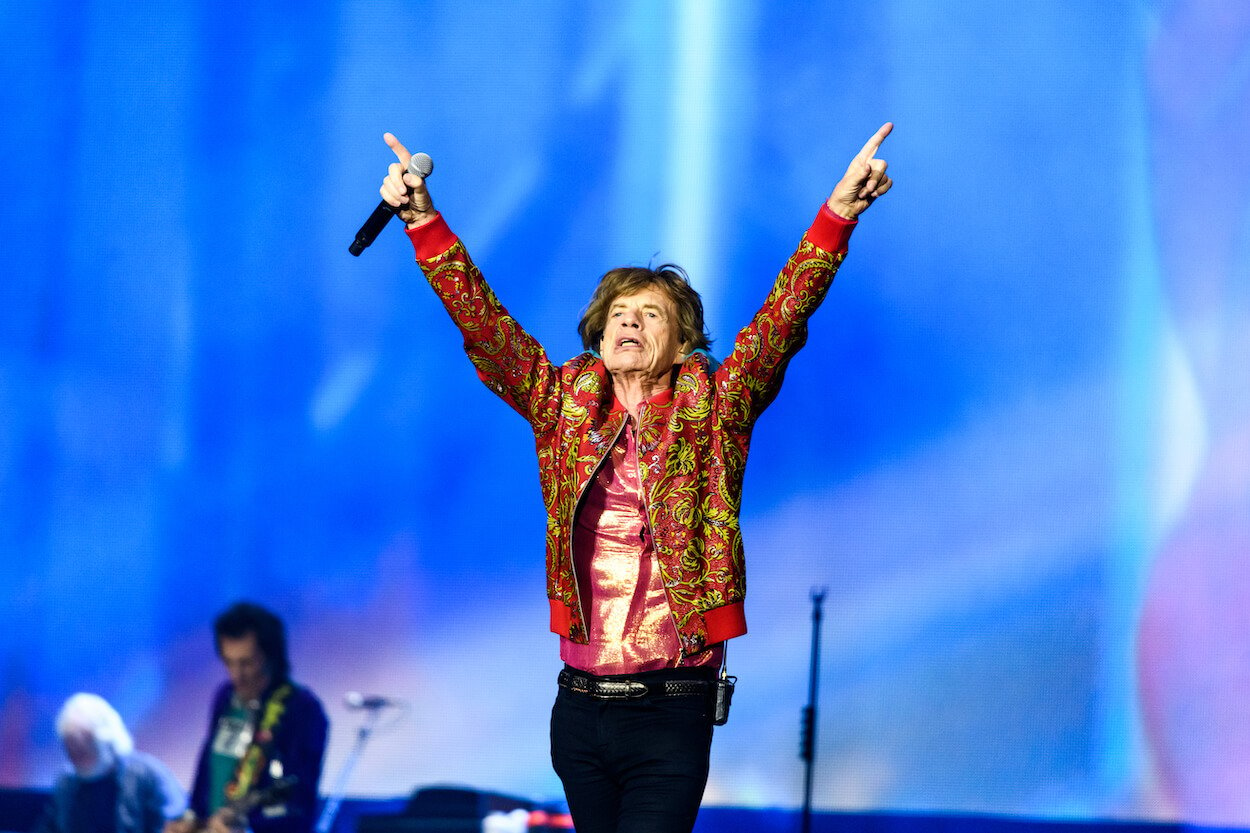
(633,766)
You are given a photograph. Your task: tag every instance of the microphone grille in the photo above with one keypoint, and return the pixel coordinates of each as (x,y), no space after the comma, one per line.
(421,165)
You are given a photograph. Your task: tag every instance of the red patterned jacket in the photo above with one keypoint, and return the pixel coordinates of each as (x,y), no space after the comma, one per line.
(692,446)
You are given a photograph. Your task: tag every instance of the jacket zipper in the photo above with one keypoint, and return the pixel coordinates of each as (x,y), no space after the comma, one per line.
(577,508)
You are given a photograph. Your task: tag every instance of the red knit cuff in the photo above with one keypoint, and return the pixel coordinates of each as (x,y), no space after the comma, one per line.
(561,617)
(725,622)
(431,239)
(831,232)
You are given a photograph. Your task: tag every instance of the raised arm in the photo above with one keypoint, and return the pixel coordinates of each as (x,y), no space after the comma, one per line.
(508,359)
(765,346)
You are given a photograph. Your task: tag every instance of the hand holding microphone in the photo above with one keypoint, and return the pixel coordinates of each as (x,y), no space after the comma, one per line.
(403,193)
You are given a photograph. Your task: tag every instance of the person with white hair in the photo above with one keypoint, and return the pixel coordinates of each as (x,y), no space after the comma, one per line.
(112,787)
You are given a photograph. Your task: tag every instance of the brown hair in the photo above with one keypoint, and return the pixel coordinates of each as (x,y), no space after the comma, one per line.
(668,278)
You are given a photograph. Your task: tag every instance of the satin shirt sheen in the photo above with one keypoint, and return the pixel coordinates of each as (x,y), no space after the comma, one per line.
(631,626)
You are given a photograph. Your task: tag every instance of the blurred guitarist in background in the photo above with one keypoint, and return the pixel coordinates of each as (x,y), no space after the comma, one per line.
(261,761)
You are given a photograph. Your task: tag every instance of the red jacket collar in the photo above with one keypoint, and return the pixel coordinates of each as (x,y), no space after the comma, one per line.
(662,398)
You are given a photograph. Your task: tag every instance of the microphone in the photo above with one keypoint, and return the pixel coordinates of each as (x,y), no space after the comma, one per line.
(356,700)
(419,165)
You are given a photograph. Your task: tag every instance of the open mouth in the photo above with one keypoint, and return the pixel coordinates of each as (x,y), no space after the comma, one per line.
(626,341)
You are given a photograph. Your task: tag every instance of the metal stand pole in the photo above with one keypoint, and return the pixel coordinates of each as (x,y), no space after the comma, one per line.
(331,808)
(807,744)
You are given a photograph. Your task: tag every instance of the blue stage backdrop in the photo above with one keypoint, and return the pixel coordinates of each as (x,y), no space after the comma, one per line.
(1016,449)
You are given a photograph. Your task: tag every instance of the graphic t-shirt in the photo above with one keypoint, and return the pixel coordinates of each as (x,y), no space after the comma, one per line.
(230,742)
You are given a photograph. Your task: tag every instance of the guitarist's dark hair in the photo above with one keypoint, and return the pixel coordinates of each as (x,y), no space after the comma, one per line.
(242,618)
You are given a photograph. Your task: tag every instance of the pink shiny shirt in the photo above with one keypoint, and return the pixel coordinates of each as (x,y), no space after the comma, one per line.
(631,626)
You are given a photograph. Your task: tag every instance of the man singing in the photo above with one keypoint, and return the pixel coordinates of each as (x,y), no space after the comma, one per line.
(642,443)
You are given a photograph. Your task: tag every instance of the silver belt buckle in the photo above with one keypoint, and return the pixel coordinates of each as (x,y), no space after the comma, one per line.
(620,689)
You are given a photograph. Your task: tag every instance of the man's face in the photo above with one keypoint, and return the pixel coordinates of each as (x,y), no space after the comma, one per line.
(82,750)
(246,664)
(641,335)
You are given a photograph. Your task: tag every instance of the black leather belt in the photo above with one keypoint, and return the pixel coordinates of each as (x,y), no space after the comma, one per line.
(627,689)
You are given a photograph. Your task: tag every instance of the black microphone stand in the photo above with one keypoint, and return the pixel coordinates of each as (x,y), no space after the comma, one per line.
(807,743)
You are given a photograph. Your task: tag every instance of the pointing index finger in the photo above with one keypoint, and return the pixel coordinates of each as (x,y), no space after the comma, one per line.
(870,149)
(397,146)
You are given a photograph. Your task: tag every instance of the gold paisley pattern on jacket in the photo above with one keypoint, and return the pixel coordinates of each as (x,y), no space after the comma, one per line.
(692,450)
